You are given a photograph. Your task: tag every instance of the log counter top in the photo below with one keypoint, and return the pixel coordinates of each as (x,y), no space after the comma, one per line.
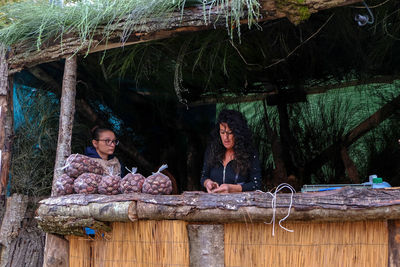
(69,214)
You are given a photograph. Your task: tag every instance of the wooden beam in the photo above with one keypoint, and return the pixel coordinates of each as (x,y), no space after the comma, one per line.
(325,88)
(206,243)
(394,243)
(372,121)
(64,226)
(346,204)
(67,111)
(273,91)
(6,120)
(56,250)
(10,226)
(56,253)
(232,99)
(349,166)
(191,20)
(353,135)
(42,75)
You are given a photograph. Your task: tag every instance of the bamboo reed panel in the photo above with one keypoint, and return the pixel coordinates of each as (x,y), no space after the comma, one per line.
(138,244)
(79,251)
(344,244)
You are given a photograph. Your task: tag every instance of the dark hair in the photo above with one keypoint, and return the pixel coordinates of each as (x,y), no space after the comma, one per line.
(243,146)
(97,130)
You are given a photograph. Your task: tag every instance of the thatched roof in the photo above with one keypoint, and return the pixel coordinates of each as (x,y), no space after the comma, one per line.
(273,60)
(40,32)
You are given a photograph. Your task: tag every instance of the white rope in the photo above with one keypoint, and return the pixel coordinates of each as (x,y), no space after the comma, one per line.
(68,162)
(163,167)
(133,171)
(111,170)
(273,205)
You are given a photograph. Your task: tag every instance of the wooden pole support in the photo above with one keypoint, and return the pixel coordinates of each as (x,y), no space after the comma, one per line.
(67,111)
(56,251)
(394,243)
(6,120)
(206,245)
(15,212)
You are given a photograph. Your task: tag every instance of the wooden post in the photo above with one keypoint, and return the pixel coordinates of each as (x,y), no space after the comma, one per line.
(349,166)
(6,121)
(394,243)
(206,243)
(56,250)
(67,111)
(279,174)
(11,224)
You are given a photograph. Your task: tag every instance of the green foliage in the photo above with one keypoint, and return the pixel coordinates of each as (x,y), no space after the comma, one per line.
(35,144)
(324,120)
(319,123)
(39,21)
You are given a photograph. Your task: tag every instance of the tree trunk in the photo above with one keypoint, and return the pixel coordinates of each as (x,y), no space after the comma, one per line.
(22,244)
(349,166)
(206,242)
(56,248)
(193,163)
(67,111)
(280,173)
(26,249)
(11,224)
(6,121)
(191,20)
(285,135)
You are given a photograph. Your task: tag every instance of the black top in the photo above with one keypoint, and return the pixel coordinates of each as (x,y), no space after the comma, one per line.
(227,174)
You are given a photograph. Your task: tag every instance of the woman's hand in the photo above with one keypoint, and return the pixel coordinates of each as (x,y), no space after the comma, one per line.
(210,185)
(228,188)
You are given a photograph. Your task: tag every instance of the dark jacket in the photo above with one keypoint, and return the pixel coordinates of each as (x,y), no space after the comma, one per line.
(90,151)
(227,174)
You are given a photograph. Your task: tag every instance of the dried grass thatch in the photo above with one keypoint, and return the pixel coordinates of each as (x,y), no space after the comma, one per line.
(363,243)
(143,243)
(39,21)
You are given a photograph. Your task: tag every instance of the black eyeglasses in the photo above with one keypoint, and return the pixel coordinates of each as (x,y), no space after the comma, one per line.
(109,142)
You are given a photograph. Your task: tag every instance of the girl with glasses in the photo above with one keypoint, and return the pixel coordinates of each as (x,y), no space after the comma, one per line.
(102,150)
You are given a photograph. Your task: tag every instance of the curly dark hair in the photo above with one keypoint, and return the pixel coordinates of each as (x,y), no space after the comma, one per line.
(243,146)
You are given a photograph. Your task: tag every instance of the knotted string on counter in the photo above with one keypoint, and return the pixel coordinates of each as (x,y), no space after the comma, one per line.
(273,205)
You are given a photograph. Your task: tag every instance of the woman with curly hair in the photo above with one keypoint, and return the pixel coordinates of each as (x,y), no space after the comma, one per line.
(231,163)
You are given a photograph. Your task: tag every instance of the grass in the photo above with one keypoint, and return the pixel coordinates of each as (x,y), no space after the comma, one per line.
(39,21)
(35,143)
